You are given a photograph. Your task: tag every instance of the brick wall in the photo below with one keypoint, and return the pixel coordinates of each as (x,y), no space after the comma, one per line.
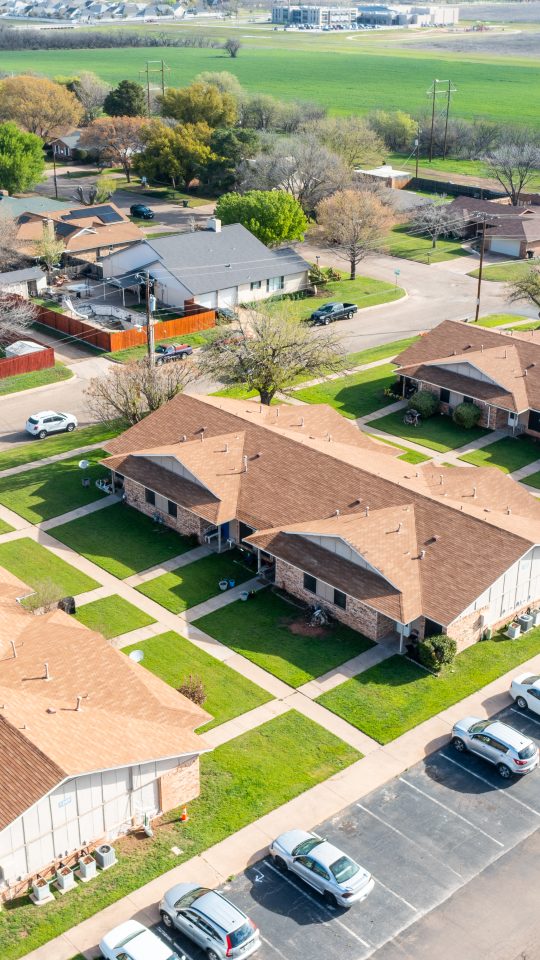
(357,615)
(498,419)
(185,523)
(467,630)
(180,785)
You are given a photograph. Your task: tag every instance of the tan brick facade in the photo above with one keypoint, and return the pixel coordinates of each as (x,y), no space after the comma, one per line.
(498,419)
(180,785)
(467,630)
(186,523)
(357,615)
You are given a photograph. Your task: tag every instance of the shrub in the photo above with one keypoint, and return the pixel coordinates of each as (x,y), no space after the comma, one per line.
(425,402)
(435,652)
(193,688)
(46,595)
(467,415)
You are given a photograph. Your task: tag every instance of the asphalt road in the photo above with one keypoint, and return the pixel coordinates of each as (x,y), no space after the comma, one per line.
(436,840)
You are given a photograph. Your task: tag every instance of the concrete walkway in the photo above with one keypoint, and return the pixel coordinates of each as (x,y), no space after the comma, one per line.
(35,464)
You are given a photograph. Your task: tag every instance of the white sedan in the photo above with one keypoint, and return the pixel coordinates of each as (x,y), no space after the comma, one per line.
(525,690)
(132,941)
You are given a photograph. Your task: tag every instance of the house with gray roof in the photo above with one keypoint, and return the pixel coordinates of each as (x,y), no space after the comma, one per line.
(13,207)
(217,267)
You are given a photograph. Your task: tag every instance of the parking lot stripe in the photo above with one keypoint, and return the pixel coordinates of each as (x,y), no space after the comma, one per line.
(526,716)
(273,947)
(394,894)
(453,812)
(503,793)
(320,904)
(164,935)
(405,837)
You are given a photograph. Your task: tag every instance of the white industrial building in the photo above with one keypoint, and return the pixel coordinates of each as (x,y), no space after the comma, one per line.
(293,15)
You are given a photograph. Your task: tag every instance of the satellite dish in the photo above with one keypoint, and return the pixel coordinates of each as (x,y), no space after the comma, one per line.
(136,655)
(84,464)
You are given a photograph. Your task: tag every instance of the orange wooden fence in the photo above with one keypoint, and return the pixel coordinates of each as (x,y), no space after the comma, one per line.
(11,366)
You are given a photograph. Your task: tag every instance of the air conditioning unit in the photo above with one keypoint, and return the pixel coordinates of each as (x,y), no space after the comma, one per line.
(65,879)
(87,868)
(105,856)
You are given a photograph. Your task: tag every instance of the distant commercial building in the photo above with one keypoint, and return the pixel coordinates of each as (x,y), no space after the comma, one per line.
(382,15)
(289,15)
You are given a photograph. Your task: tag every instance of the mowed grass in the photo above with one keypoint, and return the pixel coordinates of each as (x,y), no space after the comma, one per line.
(437,433)
(359,76)
(260,630)
(37,378)
(396,695)
(35,565)
(196,582)
(5,527)
(363,291)
(112,616)
(400,243)
(173,658)
(532,480)
(499,320)
(241,781)
(131,354)
(506,272)
(121,540)
(61,443)
(508,454)
(53,489)
(409,456)
(353,396)
(469,168)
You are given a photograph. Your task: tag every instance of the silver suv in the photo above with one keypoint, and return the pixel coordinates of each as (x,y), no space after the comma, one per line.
(508,749)
(210,920)
(48,421)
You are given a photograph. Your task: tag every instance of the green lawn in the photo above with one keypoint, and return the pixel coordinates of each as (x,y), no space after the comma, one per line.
(532,480)
(499,320)
(35,565)
(52,446)
(260,630)
(400,243)
(5,527)
(158,193)
(112,616)
(395,695)
(192,584)
(364,291)
(228,693)
(136,353)
(438,433)
(38,378)
(353,396)
(532,325)
(240,782)
(121,540)
(469,168)
(410,456)
(506,272)
(51,490)
(508,454)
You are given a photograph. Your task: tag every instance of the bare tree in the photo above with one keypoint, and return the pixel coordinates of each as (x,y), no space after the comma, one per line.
(434,220)
(133,390)
(514,165)
(526,288)
(16,315)
(90,91)
(352,139)
(266,351)
(354,223)
(233,47)
(117,139)
(10,258)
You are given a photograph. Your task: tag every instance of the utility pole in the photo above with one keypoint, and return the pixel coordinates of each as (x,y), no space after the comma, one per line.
(54,171)
(480,268)
(449,93)
(150,303)
(153,68)
(417,145)
(434,94)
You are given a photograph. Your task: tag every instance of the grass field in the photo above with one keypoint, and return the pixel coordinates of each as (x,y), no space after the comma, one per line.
(38,378)
(35,565)
(400,243)
(363,291)
(354,396)
(506,272)
(360,74)
(437,433)
(499,320)
(112,616)
(61,443)
(508,454)
(196,582)
(54,489)
(469,168)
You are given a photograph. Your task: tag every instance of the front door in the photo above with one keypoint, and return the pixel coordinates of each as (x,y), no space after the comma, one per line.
(225,532)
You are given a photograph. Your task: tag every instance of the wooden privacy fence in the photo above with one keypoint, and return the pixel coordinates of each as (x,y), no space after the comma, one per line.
(196,318)
(27,363)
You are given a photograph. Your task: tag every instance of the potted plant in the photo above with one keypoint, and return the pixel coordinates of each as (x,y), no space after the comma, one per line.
(223,584)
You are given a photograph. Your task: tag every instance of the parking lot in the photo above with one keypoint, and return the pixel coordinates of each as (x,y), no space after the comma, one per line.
(423,836)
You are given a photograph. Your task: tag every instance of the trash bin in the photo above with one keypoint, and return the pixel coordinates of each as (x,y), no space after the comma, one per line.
(86,481)
(185,204)
(67,604)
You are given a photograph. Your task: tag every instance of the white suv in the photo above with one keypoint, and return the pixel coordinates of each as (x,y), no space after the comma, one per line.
(42,424)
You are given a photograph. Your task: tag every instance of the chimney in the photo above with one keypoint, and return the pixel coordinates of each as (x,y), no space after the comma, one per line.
(213,224)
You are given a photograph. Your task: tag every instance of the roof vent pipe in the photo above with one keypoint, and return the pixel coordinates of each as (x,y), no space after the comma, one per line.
(337,513)
(183,438)
(329,438)
(47,675)
(508,510)
(399,526)
(422,554)
(525,372)
(202,434)
(78,707)
(301,421)
(13,649)
(481,348)
(366,514)
(226,450)
(245,459)
(441,479)
(474,492)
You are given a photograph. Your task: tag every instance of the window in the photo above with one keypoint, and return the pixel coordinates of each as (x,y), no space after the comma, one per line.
(275,283)
(255,285)
(150,497)
(310,583)
(340,599)
(172,509)
(444,395)
(534,421)
(468,400)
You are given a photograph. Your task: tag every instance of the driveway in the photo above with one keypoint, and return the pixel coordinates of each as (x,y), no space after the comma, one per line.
(426,836)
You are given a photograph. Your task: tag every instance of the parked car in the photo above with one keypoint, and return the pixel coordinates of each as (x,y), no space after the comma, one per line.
(333,311)
(210,920)
(132,941)
(172,351)
(325,867)
(508,749)
(47,421)
(141,211)
(525,690)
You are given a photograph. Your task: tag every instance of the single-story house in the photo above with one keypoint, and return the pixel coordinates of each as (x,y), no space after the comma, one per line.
(335,518)
(386,176)
(510,231)
(497,370)
(216,267)
(13,207)
(28,282)
(91,742)
(64,147)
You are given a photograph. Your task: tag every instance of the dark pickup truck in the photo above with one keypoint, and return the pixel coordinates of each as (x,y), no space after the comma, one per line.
(173,352)
(333,311)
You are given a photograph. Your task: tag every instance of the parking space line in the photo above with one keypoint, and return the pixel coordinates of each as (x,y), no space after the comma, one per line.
(394,894)
(320,904)
(453,812)
(405,837)
(503,793)
(273,947)
(164,935)
(526,716)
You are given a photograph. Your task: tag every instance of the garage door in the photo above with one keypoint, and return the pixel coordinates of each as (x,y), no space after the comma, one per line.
(228,297)
(208,300)
(509,247)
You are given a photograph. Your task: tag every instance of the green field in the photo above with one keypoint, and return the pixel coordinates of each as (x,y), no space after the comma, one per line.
(360,74)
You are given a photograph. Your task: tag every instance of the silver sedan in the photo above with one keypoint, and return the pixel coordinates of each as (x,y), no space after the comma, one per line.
(323,866)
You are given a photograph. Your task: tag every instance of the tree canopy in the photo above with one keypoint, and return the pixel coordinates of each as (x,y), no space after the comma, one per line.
(273,216)
(354,223)
(91,92)
(526,287)
(174,154)
(514,164)
(39,105)
(116,139)
(21,159)
(199,103)
(126,100)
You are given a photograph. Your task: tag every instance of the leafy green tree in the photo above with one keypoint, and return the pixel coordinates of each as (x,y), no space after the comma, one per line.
(200,102)
(273,216)
(397,128)
(126,100)
(231,146)
(174,154)
(39,105)
(21,159)
(225,82)
(526,287)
